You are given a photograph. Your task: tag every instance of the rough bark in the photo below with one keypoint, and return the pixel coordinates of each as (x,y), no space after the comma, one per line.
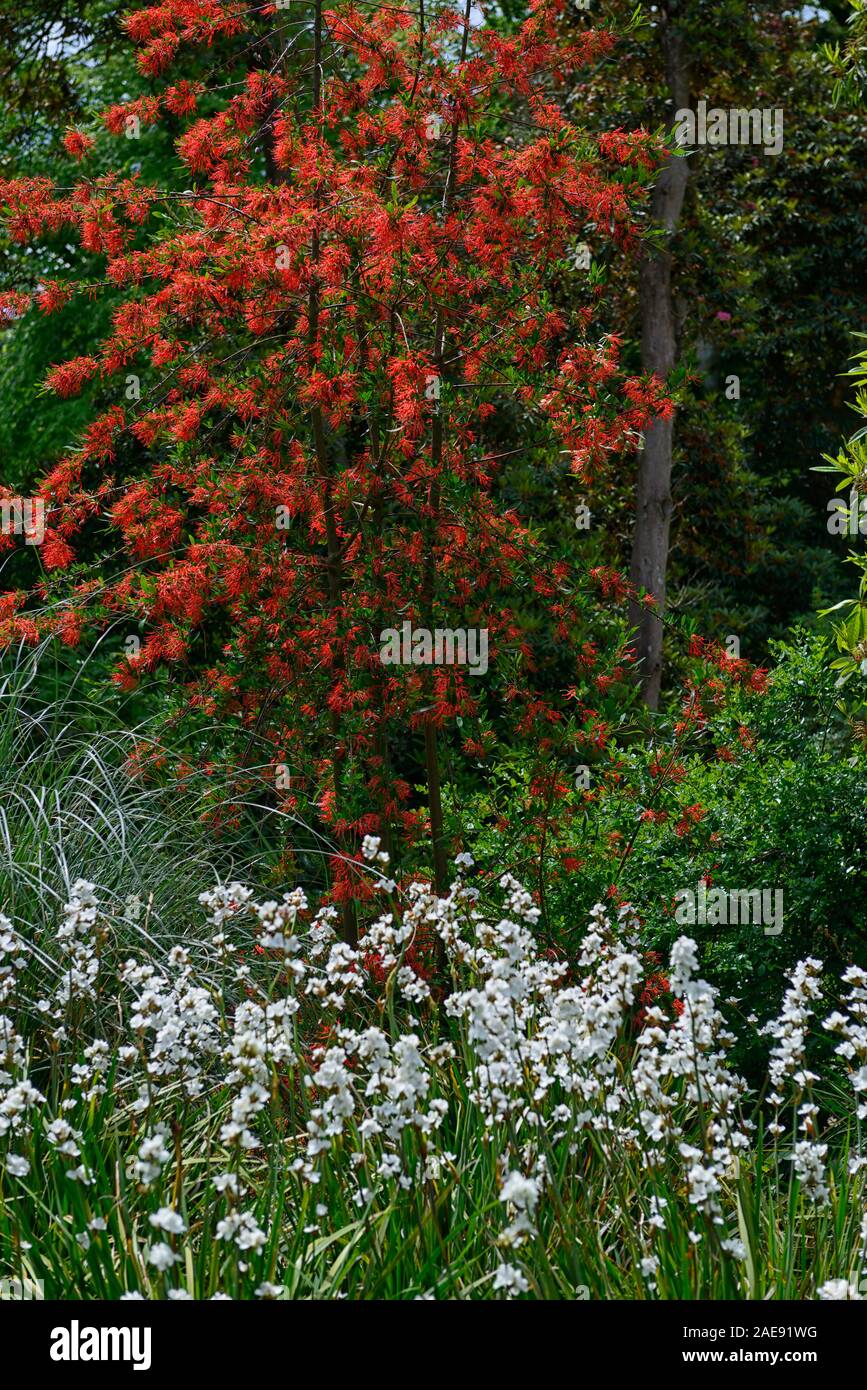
(659,352)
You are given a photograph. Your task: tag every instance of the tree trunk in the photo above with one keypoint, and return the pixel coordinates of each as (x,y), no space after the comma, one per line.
(659,353)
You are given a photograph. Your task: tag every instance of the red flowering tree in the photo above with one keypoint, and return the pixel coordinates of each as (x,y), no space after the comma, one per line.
(320,328)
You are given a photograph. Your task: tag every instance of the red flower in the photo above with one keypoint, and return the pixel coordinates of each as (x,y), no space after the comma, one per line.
(77,144)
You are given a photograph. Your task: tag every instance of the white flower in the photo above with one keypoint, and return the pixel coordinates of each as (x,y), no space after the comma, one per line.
(132,908)
(162,1256)
(510,1279)
(809,1161)
(523,1192)
(736,1248)
(522,1195)
(241,1227)
(167,1220)
(836,1289)
(225,901)
(17,1166)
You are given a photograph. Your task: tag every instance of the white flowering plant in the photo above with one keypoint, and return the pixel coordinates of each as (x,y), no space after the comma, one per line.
(266,1111)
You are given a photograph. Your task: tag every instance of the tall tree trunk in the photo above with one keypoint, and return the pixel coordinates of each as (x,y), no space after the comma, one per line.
(659,351)
(333,562)
(433,775)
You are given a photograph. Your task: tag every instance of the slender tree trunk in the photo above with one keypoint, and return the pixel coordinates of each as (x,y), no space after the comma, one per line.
(431,751)
(333,564)
(659,352)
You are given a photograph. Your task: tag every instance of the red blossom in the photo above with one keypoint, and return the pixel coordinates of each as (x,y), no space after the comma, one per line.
(77,144)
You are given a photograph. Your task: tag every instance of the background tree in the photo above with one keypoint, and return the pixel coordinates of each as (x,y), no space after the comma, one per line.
(756,297)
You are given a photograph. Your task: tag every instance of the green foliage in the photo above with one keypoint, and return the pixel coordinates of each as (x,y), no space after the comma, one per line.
(73,805)
(847,60)
(849,466)
(787,813)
